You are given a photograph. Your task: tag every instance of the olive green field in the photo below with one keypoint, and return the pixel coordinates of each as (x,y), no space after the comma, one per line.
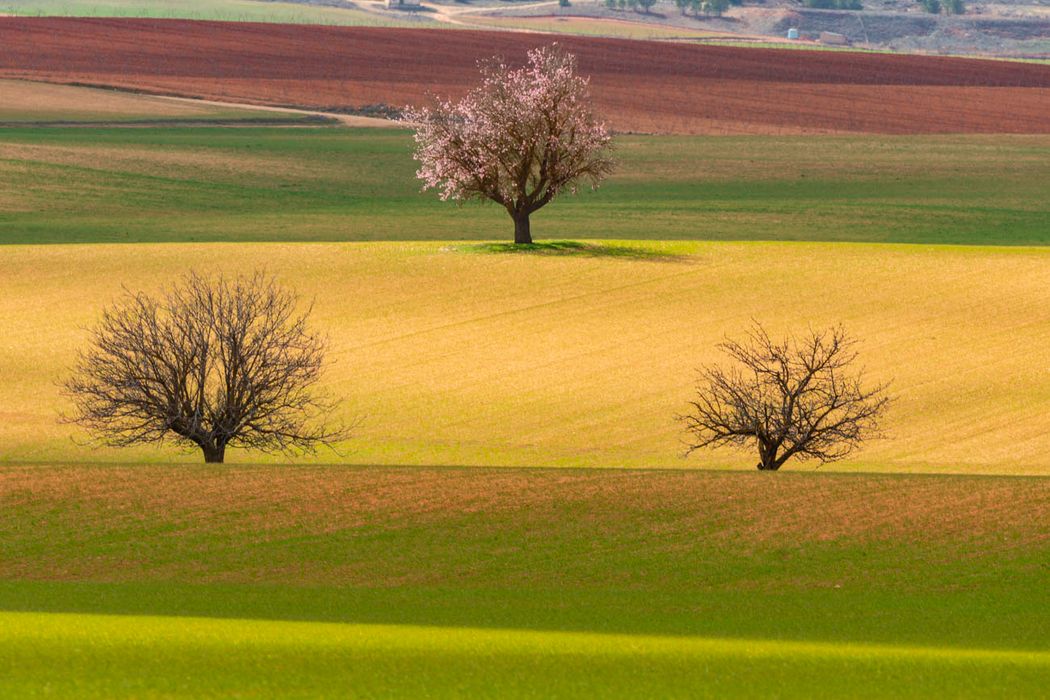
(294,581)
(335,184)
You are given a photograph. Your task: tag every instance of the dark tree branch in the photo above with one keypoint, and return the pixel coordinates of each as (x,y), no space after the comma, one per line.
(792,398)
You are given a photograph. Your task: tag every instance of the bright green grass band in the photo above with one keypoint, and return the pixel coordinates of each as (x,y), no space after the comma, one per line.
(61,655)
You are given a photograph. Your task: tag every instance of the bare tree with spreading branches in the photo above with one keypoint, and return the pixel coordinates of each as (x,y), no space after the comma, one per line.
(209,362)
(799,397)
(521,138)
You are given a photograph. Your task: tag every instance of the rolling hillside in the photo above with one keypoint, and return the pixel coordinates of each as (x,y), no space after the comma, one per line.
(152,581)
(513,516)
(674,89)
(463,354)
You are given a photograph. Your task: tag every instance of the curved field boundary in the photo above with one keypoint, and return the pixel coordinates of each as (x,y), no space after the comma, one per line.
(642,86)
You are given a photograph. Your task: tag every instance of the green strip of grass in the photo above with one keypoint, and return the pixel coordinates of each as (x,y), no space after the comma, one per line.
(107,657)
(199,184)
(215,10)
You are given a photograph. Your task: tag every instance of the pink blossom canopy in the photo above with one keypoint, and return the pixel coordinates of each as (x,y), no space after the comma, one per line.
(519,138)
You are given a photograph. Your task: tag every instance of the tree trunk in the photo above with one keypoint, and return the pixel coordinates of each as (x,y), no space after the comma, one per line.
(768,461)
(522,232)
(214,453)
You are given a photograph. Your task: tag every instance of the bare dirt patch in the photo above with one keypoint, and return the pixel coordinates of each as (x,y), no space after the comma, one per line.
(32,103)
(45,100)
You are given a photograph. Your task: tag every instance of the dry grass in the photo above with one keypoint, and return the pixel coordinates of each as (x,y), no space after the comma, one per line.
(750,508)
(26,101)
(188,510)
(170,163)
(491,359)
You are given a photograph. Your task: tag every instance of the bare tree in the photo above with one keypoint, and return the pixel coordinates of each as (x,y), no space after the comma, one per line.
(798,397)
(210,362)
(519,139)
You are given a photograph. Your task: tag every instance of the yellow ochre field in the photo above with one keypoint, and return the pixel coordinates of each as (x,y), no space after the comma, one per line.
(463,354)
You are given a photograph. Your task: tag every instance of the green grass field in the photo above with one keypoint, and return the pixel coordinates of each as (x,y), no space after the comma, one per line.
(150,185)
(148,657)
(151,581)
(223,10)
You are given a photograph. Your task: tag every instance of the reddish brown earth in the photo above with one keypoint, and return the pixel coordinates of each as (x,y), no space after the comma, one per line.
(642,86)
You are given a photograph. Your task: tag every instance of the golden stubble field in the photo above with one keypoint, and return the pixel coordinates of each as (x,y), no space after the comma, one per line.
(453,355)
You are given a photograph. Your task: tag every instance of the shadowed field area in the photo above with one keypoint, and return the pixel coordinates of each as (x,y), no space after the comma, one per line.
(676,89)
(461,354)
(565,583)
(200,184)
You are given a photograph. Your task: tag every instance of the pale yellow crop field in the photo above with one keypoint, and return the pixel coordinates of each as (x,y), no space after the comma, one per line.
(451,355)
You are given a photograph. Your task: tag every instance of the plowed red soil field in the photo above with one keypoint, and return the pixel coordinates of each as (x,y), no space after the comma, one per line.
(641,86)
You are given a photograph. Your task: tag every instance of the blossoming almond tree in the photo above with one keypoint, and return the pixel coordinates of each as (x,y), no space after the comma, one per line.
(520,138)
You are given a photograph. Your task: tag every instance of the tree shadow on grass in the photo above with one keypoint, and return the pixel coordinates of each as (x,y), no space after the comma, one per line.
(577,249)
